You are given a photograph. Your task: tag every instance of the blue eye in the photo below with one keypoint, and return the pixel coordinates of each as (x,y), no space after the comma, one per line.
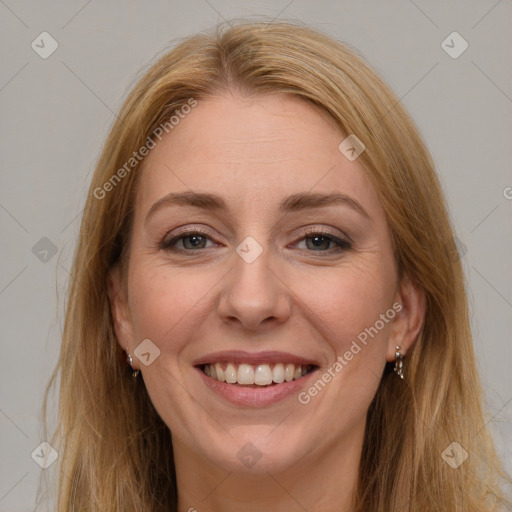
(317,241)
(195,240)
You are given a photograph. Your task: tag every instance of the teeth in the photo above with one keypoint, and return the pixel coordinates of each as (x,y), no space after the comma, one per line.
(260,375)
(278,373)
(220,372)
(289,372)
(229,373)
(263,375)
(245,374)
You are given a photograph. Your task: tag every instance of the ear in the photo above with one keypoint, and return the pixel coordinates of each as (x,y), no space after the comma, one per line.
(118,298)
(410,310)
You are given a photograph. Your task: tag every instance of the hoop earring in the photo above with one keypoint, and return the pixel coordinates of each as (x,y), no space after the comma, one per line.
(135,373)
(399,362)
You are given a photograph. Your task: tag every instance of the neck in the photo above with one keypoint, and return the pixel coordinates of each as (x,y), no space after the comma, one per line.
(324,481)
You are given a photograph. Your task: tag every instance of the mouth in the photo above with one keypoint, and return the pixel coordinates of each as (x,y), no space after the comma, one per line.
(255,379)
(256,375)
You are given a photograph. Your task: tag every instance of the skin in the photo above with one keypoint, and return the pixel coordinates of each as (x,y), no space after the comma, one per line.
(295,297)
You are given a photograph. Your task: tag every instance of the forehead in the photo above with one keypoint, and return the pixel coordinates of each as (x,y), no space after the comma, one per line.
(253,152)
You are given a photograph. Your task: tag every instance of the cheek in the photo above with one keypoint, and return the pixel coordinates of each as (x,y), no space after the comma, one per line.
(348,301)
(164,303)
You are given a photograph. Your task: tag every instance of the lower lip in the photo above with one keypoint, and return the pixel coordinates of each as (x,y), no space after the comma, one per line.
(256,397)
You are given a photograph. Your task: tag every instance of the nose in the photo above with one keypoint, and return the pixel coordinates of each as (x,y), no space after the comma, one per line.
(254,296)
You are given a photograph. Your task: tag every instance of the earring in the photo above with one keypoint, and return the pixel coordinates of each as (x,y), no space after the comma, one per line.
(135,373)
(399,362)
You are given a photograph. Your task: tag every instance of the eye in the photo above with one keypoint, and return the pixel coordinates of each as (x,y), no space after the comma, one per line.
(322,241)
(189,240)
(196,239)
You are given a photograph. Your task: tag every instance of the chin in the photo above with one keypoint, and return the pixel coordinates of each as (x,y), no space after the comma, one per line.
(259,450)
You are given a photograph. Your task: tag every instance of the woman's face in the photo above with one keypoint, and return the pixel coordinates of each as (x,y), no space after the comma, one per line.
(283,273)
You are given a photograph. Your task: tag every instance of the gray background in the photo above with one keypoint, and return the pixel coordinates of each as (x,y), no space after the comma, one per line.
(55,114)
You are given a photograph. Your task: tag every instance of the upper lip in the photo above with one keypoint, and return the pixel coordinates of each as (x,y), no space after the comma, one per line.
(264,357)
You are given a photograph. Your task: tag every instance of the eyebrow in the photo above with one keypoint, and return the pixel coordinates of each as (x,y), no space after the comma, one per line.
(293,203)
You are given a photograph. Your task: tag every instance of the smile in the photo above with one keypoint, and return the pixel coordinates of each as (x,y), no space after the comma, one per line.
(255,379)
(257,375)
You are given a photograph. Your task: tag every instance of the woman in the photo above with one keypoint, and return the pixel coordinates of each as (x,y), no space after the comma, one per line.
(267,244)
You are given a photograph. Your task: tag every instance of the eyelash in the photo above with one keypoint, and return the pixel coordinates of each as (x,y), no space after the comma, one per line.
(343,245)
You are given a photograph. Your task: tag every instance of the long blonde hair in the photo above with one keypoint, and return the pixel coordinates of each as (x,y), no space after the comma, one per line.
(115,450)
